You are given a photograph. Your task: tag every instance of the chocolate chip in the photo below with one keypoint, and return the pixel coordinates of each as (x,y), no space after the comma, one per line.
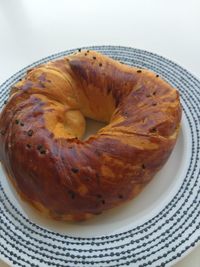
(74,170)
(21,123)
(153,130)
(28,146)
(120,196)
(39,147)
(79,50)
(30,132)
(94,57)
(17,121)
(157,76)
(139,71)
(143,166)
(42,151)
(71,194)
(100,64)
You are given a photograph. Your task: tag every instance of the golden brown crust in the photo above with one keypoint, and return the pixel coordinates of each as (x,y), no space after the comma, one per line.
(70,179)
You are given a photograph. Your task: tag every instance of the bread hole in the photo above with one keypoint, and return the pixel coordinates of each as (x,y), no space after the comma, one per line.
(103,202)
(120,196)
(92,127)
(5,102)
(70,123)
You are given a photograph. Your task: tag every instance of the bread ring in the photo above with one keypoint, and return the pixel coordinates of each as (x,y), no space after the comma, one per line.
(42,124)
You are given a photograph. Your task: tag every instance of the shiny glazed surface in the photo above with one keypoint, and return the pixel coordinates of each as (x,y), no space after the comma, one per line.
(42,124)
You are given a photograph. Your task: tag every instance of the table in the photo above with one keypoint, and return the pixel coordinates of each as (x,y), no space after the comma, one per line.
(30,30)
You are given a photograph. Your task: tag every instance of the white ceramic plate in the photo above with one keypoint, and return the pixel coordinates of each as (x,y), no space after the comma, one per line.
(155,229)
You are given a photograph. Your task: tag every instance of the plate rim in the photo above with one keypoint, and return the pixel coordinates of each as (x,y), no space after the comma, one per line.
(62,53)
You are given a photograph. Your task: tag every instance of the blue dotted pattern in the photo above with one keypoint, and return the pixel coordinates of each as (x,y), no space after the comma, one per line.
(158,241)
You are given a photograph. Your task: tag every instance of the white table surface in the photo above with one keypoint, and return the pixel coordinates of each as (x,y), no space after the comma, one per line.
(30,30)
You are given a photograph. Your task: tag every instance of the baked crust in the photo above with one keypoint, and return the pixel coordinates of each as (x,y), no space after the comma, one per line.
(67,178)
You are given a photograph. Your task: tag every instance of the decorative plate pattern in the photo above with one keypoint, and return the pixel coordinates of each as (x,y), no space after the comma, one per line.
(158,241)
